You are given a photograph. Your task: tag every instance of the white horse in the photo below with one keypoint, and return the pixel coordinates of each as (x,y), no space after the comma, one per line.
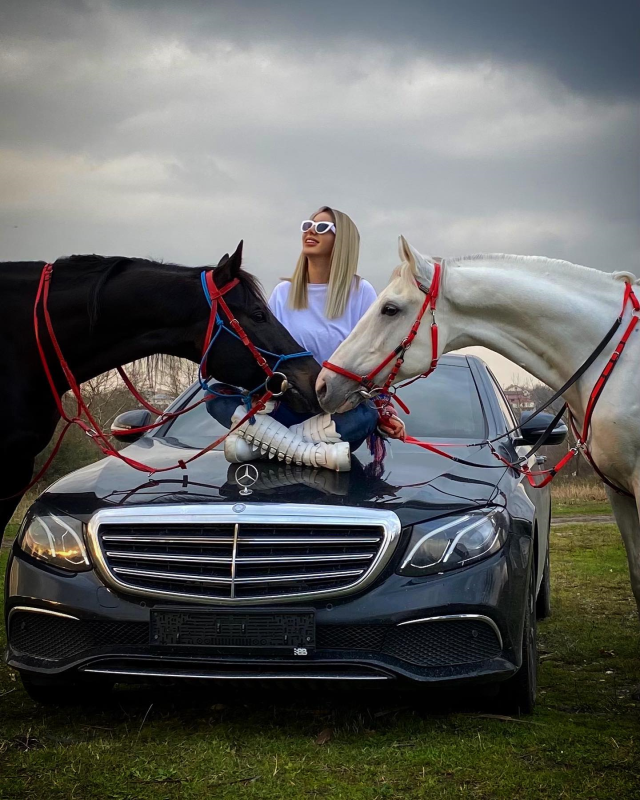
(547,316)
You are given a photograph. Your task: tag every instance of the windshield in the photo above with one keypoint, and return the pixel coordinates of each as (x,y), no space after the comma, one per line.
(444,406)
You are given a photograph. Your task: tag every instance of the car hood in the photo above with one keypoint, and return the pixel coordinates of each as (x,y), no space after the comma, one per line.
(414,483)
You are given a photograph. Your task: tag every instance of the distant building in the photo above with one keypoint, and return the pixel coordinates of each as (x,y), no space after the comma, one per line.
(519,398)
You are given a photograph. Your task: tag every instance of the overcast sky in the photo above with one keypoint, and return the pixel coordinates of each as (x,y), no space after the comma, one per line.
(173,129)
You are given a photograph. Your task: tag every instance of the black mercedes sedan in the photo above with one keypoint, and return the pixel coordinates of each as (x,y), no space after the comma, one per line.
(419,570)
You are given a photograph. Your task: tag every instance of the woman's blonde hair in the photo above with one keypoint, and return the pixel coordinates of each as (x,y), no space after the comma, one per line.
(344,263)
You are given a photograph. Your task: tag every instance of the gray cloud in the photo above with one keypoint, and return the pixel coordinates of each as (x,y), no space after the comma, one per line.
(589,45)
(174,130)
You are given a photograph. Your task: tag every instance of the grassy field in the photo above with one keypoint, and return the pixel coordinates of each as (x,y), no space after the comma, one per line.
(587,508)
(575,497)
(582,742)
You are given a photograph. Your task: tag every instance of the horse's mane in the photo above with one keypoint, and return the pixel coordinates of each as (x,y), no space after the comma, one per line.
(532,261)
(107,266)
(544,262)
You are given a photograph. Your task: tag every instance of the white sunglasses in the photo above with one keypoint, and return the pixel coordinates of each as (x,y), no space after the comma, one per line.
(318,227)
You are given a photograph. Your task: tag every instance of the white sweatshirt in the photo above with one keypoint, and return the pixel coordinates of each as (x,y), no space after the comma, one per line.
(310,327)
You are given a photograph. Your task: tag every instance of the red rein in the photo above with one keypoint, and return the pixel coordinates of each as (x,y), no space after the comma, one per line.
(89,424)
(431,295)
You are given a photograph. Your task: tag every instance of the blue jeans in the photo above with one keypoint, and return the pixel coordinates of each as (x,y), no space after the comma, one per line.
(353,426)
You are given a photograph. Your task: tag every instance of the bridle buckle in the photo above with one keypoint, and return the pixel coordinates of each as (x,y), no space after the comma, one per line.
(369,390)
(405,344)
(579,447)
(284,384)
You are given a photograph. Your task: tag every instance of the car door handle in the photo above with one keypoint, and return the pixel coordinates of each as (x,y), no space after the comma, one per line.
(541,459)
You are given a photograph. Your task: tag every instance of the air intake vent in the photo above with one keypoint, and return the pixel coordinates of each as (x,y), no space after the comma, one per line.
(260,554)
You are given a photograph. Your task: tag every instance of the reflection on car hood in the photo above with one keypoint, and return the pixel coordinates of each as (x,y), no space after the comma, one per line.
(414,483)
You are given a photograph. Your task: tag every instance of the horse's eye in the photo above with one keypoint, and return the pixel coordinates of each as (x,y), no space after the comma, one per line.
(259,316)
(390,310)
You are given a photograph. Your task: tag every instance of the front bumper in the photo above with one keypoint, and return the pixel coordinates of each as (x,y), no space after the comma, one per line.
(464,626)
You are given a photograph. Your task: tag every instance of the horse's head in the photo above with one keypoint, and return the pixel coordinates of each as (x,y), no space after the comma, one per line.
(381,329)
(232,362)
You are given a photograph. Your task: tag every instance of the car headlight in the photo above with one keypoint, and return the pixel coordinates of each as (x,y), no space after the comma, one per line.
(454,542)
(56,539)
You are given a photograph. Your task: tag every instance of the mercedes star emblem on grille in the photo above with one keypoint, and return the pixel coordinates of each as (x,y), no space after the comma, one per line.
(246,476)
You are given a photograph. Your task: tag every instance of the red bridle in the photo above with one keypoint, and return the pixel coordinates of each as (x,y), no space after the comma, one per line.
(370,389)
(216,298)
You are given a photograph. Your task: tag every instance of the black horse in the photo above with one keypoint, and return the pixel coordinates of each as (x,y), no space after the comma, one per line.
(109,311)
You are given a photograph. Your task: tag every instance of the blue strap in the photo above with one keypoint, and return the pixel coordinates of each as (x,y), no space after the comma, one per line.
(280,357)
(205,288)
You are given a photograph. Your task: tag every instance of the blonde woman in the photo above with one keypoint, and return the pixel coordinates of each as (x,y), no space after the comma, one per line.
(319,306)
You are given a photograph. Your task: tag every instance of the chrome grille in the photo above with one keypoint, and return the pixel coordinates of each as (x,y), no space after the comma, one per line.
(240,554)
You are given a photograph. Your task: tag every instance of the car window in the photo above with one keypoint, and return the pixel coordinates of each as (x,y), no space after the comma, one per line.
(507,411)
(445,405)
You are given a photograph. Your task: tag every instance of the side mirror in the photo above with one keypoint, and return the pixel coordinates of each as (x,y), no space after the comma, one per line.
(127,421)
(531,431)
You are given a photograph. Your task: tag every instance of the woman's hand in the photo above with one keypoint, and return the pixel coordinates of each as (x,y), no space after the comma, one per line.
(393,427)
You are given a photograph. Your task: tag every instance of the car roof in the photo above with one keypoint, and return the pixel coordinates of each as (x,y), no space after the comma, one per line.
(460,360)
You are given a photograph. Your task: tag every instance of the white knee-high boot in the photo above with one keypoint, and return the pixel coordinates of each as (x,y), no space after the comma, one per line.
(236,449)
(267,436)
(320,428)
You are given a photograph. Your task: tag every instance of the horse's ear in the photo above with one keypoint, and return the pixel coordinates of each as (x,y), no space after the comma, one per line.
(419,263)
(234,263)
(404,250)
(229,266)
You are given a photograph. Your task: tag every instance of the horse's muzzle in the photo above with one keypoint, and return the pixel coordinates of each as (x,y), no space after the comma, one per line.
(337,394)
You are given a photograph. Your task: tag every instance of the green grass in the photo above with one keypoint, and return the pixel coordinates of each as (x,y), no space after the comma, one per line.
(582,742)
(578,496)
(10,532)
(581,508)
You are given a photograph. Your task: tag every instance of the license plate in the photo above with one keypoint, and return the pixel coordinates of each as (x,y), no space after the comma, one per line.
(231,629)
